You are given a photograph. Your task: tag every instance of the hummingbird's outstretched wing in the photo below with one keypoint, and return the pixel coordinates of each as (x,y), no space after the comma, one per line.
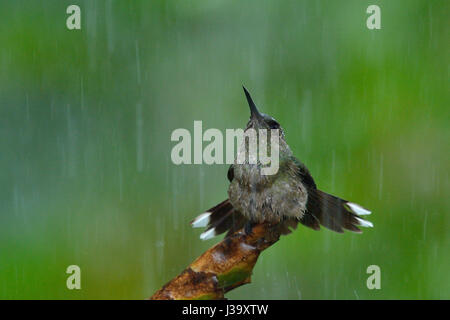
(334,213)
(330,211)
(219,219)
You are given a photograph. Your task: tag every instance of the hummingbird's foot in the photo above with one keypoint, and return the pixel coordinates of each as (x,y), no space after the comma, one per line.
(249,227)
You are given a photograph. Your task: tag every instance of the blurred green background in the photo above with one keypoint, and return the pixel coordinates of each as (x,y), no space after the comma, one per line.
(86,117)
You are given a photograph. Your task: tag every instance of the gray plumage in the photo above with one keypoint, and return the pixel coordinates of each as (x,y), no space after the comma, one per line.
(285,198)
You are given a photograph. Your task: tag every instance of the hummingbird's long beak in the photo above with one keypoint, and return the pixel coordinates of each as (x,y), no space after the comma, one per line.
(254,113)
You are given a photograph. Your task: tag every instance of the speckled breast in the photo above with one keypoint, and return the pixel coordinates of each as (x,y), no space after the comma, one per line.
(266,198)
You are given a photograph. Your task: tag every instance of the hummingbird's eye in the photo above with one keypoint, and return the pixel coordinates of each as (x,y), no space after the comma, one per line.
(273,124)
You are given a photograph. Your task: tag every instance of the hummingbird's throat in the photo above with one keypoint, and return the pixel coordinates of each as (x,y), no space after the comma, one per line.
(261,148)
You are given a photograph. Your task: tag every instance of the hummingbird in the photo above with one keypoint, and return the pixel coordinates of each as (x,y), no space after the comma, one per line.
(286,198)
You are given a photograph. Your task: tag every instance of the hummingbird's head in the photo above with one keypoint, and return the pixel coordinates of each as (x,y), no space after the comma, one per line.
(259,120)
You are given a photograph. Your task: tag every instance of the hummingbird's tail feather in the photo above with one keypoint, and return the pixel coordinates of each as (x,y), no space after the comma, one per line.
(219,219)
(288,225)
(333,213)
